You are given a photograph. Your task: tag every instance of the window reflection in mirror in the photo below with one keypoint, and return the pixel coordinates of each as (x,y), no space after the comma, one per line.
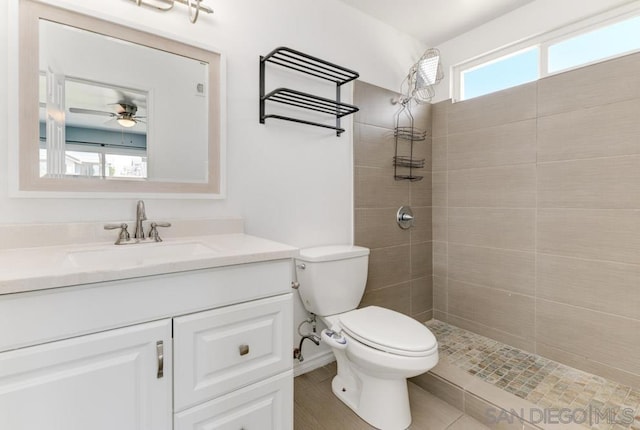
(105,132)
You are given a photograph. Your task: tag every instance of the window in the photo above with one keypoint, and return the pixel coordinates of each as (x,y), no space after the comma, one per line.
(586,48)
(505,72)
(100,162)
(80,163)
(125,166)
(548,54)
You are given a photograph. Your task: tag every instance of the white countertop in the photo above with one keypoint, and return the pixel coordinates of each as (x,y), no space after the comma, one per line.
(38,268)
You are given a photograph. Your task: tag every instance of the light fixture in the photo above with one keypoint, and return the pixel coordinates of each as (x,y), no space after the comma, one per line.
(126,121)
(195,6)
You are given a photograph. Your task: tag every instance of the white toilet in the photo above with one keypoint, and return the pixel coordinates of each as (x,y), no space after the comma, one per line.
(376,349)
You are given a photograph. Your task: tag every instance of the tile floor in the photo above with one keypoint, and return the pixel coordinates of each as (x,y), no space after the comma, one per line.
(541,381)
(316,408)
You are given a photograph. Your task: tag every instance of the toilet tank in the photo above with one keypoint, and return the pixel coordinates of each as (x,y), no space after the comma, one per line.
(332,278)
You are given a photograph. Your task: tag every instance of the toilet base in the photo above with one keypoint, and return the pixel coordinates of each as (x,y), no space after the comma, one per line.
(383,403)
(373,383)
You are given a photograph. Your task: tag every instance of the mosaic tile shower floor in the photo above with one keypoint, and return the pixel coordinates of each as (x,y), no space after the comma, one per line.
(541,381)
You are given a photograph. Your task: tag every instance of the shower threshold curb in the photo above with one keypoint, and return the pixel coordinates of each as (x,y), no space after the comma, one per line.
(492,406)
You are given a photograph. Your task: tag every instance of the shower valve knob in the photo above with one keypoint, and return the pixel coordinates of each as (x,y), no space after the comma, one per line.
(404,217)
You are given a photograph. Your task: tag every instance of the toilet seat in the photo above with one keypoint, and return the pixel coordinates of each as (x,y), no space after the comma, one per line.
(389,331)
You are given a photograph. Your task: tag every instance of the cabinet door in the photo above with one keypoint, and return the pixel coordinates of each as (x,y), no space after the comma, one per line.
(102,381)
(266,405)
(224,349)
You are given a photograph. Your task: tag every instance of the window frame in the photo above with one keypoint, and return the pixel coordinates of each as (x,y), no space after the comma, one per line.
(544,42)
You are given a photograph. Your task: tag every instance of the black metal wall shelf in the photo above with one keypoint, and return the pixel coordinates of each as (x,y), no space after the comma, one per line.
(304,63)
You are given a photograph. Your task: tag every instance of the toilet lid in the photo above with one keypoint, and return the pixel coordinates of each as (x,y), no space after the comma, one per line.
(332,253)
(389,331)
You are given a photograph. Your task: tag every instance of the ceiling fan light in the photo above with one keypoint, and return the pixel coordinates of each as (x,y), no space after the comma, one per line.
(126,122)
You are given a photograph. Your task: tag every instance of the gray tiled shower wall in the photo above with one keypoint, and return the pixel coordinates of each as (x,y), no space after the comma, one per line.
(400,275)
(536,217)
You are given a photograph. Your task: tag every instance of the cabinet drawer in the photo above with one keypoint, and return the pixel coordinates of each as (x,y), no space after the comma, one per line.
(266,405)
(148,298)
(218,351)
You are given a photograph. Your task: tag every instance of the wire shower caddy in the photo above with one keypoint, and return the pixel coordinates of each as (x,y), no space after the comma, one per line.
(407,133)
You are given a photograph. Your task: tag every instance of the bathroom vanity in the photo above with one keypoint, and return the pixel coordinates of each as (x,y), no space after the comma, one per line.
(187,334)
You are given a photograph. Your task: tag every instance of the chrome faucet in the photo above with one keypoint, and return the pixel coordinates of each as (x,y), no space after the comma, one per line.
(141,215)
(138,235)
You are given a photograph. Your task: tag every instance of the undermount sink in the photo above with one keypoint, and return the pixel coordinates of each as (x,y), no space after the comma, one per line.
(115,256)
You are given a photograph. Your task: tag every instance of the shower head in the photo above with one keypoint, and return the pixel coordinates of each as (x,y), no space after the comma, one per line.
(422,77)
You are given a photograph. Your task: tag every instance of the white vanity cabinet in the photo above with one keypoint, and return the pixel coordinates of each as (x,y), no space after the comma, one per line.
(266,405)
(237,350)
(224,349)
(200,349)
(118,379)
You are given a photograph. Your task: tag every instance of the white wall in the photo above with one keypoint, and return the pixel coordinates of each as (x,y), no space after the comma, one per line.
(291,183)
(533,19)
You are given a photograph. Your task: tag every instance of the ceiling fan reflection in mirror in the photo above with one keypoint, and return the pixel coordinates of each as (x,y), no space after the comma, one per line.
(86,100)
(124,113)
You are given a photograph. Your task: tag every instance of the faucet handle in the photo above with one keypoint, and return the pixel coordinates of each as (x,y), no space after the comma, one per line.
(124,233)
(153,233)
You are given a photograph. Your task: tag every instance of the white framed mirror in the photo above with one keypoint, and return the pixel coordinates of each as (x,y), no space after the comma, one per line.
(106,109)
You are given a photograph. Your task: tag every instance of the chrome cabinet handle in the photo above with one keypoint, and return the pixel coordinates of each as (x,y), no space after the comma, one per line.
(160,355)
(244,349)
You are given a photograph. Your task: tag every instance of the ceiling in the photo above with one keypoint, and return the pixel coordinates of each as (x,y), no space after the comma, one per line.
(435,21)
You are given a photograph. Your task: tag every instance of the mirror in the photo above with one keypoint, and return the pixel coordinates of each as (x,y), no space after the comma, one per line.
(105,108)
